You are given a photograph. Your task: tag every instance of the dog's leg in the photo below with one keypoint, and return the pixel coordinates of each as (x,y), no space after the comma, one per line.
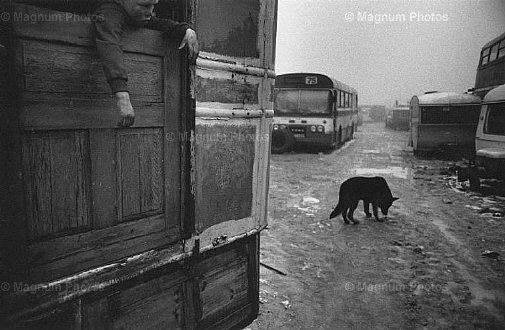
(344,215)
(353,207)
(366,208)
(376,211)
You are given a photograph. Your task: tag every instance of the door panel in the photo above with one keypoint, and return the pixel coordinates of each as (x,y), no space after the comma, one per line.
(56,174)
(141,159)
(95,193)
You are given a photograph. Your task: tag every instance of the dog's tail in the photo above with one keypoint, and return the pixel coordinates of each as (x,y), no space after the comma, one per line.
(338,209)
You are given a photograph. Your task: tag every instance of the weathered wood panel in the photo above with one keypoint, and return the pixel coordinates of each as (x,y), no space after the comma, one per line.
(225,158)
(129,175)
(56,173)
(54,68)
(82,114)
(141,155)
(228,283)
(156,304)
(151,183)
(176,157)
(222,290)
(115,192)
(61,256)
(77,30)
(103,183)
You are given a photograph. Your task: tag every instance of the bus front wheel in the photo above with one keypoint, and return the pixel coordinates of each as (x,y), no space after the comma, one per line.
(282,141)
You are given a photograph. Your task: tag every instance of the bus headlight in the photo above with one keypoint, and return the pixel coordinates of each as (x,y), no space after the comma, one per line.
(313,129)
(276,127)
(282,127)
(320,129)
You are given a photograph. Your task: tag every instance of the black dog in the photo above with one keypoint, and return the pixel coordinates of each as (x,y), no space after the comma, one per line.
(371,190)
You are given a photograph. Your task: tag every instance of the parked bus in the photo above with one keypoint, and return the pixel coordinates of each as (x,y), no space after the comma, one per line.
(443,121)
(491,68)
(398,118)
(314,109)
(152,226)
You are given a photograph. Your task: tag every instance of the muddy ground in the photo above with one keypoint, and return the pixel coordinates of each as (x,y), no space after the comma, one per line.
(422,268)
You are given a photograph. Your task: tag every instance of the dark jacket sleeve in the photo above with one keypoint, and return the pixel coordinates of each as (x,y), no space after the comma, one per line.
(175,30)
(110,20)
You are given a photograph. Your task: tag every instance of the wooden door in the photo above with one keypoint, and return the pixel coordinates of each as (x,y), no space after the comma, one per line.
(94,193)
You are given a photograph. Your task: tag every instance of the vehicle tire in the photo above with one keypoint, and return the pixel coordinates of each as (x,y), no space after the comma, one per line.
(463,173)
(474,180)
(282,141)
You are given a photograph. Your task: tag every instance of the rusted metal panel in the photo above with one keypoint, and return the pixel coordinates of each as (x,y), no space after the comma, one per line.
(226,91)
(234,89)
(225,158)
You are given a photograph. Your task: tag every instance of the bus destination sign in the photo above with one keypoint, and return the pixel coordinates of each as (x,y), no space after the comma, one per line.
(311,80)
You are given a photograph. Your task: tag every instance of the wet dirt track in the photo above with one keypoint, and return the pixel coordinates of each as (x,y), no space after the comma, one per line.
(422,268)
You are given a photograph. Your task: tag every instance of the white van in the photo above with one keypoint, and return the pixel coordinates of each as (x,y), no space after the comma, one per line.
(489,141)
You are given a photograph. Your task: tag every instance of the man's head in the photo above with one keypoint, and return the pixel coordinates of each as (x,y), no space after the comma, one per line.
(140,11)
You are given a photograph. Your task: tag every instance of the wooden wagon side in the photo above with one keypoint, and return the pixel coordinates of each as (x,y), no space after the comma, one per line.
(155,225)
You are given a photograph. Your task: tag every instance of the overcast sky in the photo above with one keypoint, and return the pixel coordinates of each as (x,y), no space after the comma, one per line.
(388,49)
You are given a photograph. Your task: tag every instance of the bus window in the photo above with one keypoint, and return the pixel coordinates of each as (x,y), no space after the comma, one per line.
(494,52)
(341,100)
(314,101)
(346,100)
(495,122)
(485,56)
(501,50)
(287,101)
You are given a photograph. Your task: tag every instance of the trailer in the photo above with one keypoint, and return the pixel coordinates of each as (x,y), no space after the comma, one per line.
(156,225)
(398,118)
(444,122)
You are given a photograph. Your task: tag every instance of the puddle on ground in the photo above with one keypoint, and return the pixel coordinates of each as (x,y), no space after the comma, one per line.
(397,171)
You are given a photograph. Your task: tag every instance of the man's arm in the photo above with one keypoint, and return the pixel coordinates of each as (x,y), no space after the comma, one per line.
(110,21)
(109,26)
(178,31)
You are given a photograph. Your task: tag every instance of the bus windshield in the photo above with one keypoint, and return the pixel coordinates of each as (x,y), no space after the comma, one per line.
(302,102)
